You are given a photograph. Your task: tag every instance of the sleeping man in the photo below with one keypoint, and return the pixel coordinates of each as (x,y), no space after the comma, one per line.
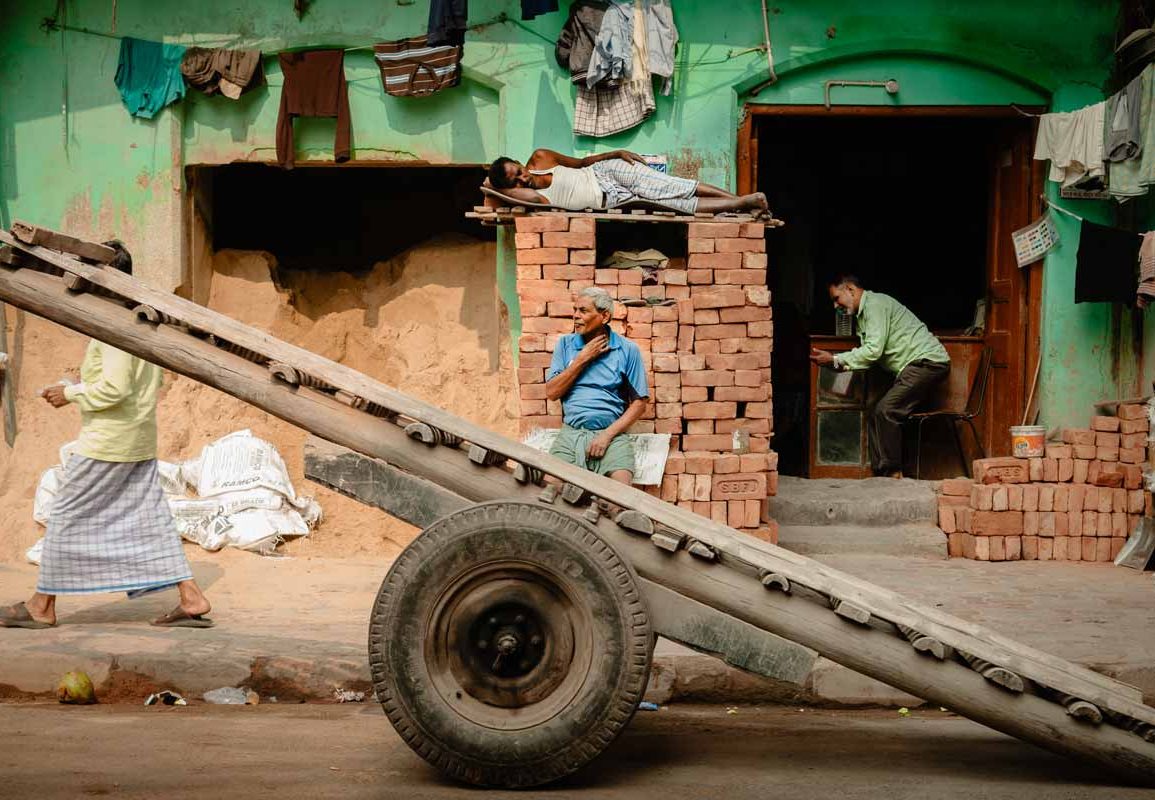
(608,180)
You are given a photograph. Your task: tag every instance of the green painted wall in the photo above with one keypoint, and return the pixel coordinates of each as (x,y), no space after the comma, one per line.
(96,170)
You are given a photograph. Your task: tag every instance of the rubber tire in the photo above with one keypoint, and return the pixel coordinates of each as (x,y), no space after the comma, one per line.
(607,698)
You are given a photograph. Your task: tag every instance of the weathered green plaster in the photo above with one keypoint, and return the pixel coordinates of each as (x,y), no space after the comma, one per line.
(118,175)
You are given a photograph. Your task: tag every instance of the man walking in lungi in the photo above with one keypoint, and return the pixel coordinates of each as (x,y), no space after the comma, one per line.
(110,529)
(601,380)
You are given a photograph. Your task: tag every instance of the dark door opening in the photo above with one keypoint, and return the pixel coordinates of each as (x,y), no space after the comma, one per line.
(910,203)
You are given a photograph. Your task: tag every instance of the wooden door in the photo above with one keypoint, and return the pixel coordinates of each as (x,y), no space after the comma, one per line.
(1012,317)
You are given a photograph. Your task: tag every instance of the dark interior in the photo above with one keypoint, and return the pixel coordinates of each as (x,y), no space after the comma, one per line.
(900,202)
(335,218)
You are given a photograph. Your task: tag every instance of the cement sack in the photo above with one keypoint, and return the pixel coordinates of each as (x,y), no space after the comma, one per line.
(34,552)
(241,461)
(46,493)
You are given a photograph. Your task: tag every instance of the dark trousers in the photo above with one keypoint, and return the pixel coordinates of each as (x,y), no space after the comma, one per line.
(884,429)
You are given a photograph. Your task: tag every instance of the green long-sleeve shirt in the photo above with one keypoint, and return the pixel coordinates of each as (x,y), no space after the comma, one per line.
(891,336)
(117,398)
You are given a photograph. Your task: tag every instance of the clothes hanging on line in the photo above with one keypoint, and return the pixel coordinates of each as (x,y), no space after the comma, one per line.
(1123,136)
(1073,141)
(148,76)
(604,112)
(575,43)
(411,68)
(1146,291)
(230,72)
(1132,177)
(448,20)
(314,86)
(534,8)
(1105,265)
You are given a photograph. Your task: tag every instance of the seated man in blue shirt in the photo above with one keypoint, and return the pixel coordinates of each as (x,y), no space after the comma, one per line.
(601,381)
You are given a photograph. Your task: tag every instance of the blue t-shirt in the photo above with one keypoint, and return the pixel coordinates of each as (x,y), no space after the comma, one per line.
(605,387)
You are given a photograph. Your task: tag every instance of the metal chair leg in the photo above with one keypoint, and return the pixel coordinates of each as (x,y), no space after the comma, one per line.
(978,441)
(962,456)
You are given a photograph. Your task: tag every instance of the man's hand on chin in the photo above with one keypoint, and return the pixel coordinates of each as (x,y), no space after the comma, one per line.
(599,445)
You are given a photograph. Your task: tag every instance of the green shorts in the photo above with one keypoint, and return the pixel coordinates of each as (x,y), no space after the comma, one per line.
(572,445)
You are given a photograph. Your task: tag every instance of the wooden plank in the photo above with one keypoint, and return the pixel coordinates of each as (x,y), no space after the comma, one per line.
(729,544)
(54,240)
(7,383)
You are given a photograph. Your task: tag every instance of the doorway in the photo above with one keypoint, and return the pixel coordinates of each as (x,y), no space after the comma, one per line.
(918,203)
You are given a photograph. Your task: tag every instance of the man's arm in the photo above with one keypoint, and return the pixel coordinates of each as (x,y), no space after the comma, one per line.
(544,159)
(114,386)
(564,377)
(632,414)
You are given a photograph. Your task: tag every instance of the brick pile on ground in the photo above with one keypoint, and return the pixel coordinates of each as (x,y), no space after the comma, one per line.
(1079,502)
(707,354)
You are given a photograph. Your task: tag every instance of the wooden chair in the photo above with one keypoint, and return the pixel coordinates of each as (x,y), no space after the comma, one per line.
(974,409)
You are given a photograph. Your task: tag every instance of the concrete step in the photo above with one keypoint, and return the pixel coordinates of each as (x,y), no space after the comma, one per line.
(871,501)
(912,540)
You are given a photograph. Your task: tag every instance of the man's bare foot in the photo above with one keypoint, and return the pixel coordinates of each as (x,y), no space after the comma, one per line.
(192,600)
(39,608)
(897,474)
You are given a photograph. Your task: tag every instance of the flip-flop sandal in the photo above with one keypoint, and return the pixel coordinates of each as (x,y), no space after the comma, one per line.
(647,301)
(17,616)
(178,618)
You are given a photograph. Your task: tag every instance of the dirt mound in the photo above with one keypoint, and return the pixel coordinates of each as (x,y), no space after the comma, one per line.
(428,321)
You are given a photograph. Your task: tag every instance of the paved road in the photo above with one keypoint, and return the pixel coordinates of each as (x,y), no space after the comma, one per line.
(694,752)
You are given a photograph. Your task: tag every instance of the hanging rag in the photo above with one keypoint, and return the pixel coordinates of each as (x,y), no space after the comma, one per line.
(1073,141)
(1105,265)
(448,20)
(1146,291)
(1131,178)
(534,8)
(1123,127)
(611,54)
(411,68)
(575,43)
(661,39)
(314,86)
(604,112)
(230,72)
(148,76)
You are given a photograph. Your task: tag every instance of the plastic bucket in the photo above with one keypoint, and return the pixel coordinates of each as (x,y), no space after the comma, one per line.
(1028,441)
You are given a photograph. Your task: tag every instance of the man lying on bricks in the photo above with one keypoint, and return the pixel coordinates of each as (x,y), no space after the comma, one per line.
(608,180)
(601,381)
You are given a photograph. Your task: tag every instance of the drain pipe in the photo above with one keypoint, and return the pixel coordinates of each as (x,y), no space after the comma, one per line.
(891,87)
(769,54)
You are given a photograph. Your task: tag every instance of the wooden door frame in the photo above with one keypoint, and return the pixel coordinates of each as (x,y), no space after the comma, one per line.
(1030,289)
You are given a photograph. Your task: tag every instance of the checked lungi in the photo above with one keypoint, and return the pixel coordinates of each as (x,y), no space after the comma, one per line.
(111,530)
(623,181)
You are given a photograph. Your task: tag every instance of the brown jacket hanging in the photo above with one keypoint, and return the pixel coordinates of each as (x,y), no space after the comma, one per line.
(314,86)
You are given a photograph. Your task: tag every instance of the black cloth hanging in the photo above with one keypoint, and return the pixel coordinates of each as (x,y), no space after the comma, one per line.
(533,8)
(448,20)
(1105,268)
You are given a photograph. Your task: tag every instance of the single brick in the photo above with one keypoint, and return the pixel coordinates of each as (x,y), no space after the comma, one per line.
(713,230)
(1014,546)
(746,314)
(698,426)
(545,255)
(1132,440)
(630,277)
(674,277)
(1084,451)
(1066,470)
(707,316)
(756,261)
(1134,426)
(983,548)
(1074,523)
(734,331)
(1078,436)
(709,410)
(757,295)
(1108,439)
(1132,411)
(547,325)
(1090,546)
(957,486)
(1079,474)
(1000,470)
(715,260)
(999,500)
(707,377)
(539,223)
(743,277)
(1050,470)
(685,340)
(1046,549)
(740,245)
(1015,496)
(1030,523)
(528,272)
(1059,552)
(1046,523)
(1062,497)
(1132,476)
(998,547)
(946,519)
(560,308)
(698,245)
(583,257)
(1129,455)
(1030,497)
(741,486)
(663,344)
(1116,547)
(1035,469)
(998,523)
(1108,424)
(1058,451)
(699,277)
(577,241)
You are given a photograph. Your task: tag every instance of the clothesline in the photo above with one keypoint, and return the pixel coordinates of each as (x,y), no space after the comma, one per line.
(51,25)
(1073,215)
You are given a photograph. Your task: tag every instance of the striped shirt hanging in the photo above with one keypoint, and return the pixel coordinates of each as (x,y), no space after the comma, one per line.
(411,68)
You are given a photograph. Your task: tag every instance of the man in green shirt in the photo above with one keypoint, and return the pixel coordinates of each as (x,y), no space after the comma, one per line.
(900,343)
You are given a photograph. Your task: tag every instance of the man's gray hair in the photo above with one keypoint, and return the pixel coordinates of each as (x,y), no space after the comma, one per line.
(600,297)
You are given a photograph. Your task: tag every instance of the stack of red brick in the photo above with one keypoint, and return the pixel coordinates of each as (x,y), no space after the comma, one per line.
(1079,502)
(707,354)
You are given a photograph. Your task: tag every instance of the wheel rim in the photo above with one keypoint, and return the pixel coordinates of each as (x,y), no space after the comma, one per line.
(509,644)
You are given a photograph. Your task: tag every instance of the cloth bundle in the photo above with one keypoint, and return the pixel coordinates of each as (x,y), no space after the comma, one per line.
(412,68)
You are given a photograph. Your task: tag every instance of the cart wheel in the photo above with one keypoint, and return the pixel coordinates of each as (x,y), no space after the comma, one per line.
(509,644)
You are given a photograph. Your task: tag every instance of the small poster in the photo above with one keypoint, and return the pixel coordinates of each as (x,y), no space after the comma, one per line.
(1034,241)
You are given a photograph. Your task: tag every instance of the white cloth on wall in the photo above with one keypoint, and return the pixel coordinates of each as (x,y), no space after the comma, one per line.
(1073,141)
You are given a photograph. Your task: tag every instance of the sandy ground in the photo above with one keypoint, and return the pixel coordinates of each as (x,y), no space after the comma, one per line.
(428,321)
(697,752)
